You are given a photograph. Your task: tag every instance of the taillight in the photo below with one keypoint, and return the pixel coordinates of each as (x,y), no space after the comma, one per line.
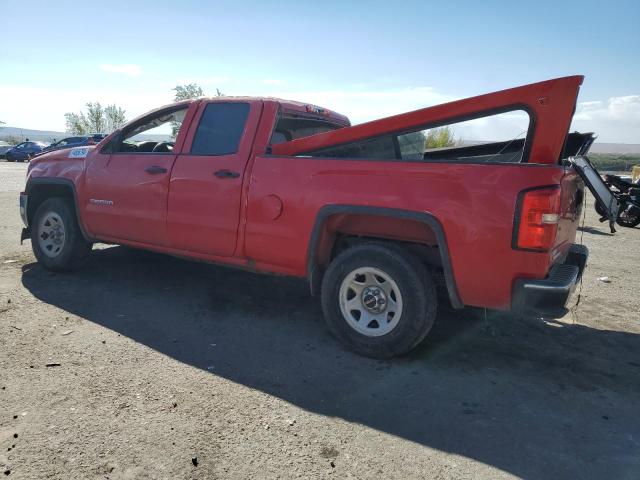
(537,218)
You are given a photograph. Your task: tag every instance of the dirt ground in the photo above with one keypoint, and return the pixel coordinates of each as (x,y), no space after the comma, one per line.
(163,361)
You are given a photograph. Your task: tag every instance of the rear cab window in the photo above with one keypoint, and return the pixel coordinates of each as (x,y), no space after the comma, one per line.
(490,138)
(292,126)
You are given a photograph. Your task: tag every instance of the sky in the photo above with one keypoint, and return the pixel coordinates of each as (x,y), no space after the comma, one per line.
(366,60)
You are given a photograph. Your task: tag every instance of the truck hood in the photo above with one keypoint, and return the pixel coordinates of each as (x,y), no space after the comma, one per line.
(64,164)
(72,153)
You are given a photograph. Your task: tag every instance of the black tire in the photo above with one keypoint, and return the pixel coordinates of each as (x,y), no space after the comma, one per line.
(74,248)
(628,222)
(417,294)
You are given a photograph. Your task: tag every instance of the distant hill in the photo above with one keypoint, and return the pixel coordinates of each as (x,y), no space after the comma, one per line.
(21,134)
(37,135)
(619,148)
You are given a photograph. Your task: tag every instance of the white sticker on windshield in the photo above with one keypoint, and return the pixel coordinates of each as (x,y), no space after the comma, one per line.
(78,152)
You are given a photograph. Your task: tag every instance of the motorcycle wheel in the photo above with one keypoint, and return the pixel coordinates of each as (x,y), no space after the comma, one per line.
(628,220)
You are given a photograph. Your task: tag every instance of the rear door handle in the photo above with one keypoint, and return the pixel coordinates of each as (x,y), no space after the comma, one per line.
(154,170)
(226,174)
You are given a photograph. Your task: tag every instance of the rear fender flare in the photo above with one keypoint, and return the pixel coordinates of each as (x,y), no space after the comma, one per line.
(314,271)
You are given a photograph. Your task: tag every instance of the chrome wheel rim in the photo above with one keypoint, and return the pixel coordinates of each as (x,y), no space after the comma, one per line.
(51,234)
(370,301)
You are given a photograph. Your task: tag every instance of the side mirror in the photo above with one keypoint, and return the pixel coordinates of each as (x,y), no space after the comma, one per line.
(113,144)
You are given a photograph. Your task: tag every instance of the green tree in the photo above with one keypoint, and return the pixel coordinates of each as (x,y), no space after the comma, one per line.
(439,138)
(185,92)
(114,117)
(96,119)
(191,90)
(75,123)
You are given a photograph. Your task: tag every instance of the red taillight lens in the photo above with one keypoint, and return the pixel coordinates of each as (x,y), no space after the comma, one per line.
(537,219)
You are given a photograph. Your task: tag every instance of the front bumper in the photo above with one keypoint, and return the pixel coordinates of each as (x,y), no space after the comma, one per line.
(548,297)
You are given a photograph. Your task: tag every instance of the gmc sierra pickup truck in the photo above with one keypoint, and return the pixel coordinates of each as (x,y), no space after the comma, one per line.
(374,216)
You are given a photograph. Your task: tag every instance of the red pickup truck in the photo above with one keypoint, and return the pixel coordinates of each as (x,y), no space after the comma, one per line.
(374,216)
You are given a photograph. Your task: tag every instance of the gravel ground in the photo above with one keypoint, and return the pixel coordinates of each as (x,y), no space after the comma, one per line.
(165,363)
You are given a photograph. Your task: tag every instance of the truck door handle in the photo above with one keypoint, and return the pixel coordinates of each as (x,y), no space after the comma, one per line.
(226,174)
(154,169)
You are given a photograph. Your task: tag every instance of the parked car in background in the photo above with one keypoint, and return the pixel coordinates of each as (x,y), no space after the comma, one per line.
(24,151)
(79,141)
(4,146)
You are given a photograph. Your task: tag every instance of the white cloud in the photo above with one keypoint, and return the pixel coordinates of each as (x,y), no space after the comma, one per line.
(124,69)
(272,81)
(615,120)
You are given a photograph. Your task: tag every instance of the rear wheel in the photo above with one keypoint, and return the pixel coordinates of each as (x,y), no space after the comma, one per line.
(378,300)
(56,239)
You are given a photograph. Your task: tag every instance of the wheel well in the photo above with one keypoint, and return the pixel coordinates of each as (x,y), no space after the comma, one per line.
(428,253)
(39,193)
(341,227)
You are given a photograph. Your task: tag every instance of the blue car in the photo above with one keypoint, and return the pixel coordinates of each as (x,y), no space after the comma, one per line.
(79,141)
(24,151)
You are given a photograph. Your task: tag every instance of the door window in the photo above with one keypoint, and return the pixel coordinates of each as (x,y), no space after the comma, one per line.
(153,134)
(220,129)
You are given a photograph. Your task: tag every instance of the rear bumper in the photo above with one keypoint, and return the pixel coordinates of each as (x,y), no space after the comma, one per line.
(548,297)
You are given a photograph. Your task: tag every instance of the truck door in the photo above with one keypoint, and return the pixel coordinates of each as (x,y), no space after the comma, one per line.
(127,183)
(205,190)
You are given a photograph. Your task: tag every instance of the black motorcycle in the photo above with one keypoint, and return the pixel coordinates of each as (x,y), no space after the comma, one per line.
(628,195)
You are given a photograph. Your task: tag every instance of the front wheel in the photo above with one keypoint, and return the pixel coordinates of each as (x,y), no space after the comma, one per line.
(378,300)
(56,239)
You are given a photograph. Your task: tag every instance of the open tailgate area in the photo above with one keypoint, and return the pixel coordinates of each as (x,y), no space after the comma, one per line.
(598,188)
